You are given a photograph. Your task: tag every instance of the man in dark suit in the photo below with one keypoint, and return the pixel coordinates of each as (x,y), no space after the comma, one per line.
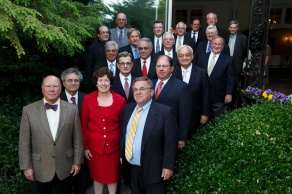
(71,79)
(111,52)
(145,65)
(168,42)
(221,75)
(173,92)
(148,140)
(180,38)
(50,141)
(212,21)
(156,39)
(204,46)
(119,34)
(238,46)
(196,24)
(197,80)
(133,36)
(123,80)
(96,53)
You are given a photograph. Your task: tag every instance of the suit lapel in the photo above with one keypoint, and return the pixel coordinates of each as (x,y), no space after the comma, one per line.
(62,119)
(218,64)
(167,87)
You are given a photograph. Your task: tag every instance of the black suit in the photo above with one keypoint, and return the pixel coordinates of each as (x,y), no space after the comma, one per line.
(175,94)
(137,70)
(221,80)
(174,56)
(202,46)
(127,48)
(118,88)
(187,41)
(154,45)
(105,64)
(199,88)
(80,99)
(189,35)
(221,32)
(159,142)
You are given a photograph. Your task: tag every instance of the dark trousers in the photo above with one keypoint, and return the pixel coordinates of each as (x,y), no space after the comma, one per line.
(217,109)
(56,185)
(82,180)
(139,187)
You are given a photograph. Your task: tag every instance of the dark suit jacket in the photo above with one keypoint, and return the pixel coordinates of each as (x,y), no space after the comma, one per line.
(118,88)
(80,99)
(103,63)
(199,88)
(187,41)
(221,32)
(159,141)
(137,70)
(202,46)
(240,52)
(189,35)
(175,94)
(127,48)
(38,149)
(154,44)
(221,80)
(174,54)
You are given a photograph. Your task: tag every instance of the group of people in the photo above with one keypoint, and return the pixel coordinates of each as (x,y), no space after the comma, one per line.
(148,97)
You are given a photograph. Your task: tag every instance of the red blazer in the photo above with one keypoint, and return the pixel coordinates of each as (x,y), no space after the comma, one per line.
(101,129)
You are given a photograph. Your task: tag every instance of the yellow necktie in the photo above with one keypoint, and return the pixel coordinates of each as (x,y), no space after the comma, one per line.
(131,135)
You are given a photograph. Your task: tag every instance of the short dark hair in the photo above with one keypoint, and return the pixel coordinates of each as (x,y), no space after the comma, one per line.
(98,29)
(102,72)
(133,30)
(168,58)
(71,70)
(124,54)
(158,22)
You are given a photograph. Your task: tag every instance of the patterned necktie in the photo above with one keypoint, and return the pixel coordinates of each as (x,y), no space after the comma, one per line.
(211,65)
(157,46)
(144,70)
(121,38)
(131,135)
(178,43)
(136,54)
(112,68)
(231,45)
(194,37)
(51,106)
(209,47)
(158,89)
(126,87)
(73,99)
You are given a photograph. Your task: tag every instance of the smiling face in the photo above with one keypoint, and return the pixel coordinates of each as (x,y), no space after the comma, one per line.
(185,57)
(163,68)
(158,29)
(212,19)
(134,38)
(217,45)
(51,89)
(125,65)
(196,25)
(103,84)
(121,20)
(145,49)
(211,33)
(180,29)
(103,34)
(168,41)
(71,83)
(233,28)
(142,93)
(111,53)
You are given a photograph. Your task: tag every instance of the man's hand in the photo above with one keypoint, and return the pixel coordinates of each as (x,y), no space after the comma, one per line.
(29,174)
(166,173)
(75,169)
(181,144)
(228,98)
(203,119)
(87,154)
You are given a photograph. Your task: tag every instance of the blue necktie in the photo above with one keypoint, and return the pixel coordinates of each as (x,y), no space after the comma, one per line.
(112,68)
(208,47)
(136,54)
(157,46)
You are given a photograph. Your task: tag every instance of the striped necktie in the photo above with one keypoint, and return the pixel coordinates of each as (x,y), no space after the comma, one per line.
(131,135)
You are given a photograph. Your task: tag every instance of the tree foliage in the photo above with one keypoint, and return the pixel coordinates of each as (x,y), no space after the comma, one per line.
(58,24)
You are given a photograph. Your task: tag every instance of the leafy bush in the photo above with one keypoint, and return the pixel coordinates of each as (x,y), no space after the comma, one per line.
(246,151)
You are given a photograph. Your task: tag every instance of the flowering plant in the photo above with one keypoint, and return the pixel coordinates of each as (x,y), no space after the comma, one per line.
(258,94)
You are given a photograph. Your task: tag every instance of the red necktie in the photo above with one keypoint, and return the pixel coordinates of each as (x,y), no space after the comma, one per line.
(144,70)
(158,89)
(73,100)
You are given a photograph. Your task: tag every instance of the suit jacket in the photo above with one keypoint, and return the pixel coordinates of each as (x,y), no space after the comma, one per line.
(154,45)
(159,141)
(137,70)
(118,88)
(240,52)
(127,48)
(104,64)
(199,88)
(189,35)
(175,94)
(80,99)
(114,36)
(187,41)
(38,149)
(174,55)
(202,46)
(221,80)
(221,32)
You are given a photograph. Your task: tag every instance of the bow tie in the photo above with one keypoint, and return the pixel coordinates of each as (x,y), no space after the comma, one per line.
(51,106)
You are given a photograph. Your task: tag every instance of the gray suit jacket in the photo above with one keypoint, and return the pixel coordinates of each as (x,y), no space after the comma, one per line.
(38,149)
(114,36)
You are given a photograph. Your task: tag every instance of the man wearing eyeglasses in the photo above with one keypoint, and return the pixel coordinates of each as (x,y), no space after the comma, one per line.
(221,75)
(148,140)
(50,141)
(156,39)
(145,65)
(173,92)
(119,34)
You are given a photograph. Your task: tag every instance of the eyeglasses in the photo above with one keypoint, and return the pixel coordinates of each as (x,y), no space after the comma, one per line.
(125,64)
(72,80)
(122,20)
(140,89)
(52,87)
(143,48)
(163,66)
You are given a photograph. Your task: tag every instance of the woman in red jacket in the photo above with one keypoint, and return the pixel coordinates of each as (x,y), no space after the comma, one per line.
(100,121)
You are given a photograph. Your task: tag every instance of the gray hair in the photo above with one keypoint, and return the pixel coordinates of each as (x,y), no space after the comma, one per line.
(183,46)
(210,14)
(216,37)
(149,82)
(234,22)
(146,40)
(211,28)
(166,33)
(133,30)
(124,54)
(111,43)
(69,71)
(182,23)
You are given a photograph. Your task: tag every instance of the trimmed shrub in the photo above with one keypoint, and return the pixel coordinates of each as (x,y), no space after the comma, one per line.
(246,151)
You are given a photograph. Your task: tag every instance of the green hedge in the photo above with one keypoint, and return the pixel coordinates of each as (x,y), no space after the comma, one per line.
(246,151)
